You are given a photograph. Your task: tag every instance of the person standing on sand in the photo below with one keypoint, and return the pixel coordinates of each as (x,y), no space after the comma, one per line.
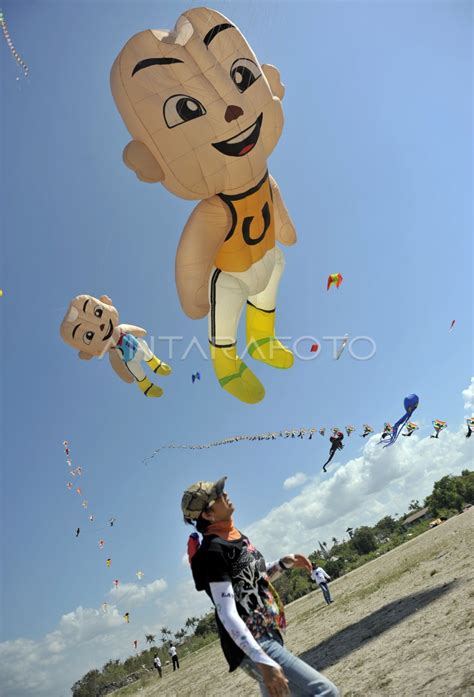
(174,656)
(321,577)
(157,664)
(249,613)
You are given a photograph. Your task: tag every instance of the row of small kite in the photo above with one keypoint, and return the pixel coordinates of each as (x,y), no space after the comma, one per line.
(438,426)
(77,471)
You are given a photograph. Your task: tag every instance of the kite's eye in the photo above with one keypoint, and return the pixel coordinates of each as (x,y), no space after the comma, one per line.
(98,312)
(87,338)
(244,72)
(180,109)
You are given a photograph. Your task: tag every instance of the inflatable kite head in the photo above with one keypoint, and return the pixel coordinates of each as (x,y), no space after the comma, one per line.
(90,325)
(410,403)
(204,115)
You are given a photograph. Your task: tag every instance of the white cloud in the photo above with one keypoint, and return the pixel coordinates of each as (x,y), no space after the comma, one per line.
(468,396)
(136,594)
(296,480)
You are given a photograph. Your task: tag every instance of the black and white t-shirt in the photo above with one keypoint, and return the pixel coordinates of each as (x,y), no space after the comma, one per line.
(239,562)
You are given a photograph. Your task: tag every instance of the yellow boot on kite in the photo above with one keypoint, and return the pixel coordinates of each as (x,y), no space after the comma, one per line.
(262,343)
(158,366)
(148,388)
(234,376)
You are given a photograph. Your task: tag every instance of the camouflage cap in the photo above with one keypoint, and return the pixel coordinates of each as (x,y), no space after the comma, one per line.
(199,496)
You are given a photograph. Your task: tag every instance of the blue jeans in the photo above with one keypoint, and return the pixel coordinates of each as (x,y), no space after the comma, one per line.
(326,593)
(304,681)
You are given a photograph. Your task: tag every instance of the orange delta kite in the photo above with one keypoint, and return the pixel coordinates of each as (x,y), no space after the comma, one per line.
(205,116)
(91,325)
(335,279)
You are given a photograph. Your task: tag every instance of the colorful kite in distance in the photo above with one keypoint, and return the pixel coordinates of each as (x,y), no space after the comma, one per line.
(101,544)
(410,403)
(78,531)
(336,444)
(322,431)
(411,428)
(349,430)
(195,376)
(438,427)
(387,430)
(69,485)
(452,325)
(139,575)
(20,62)
(116,583)
(342,347)
(367,430)
(126,617)
(79,490)
(112,521)
(84,504)
(335,279)
(135,643)
(470,426)
(108,563)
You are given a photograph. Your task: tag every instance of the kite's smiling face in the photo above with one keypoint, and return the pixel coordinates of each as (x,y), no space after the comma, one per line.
(90,325)
(197,98)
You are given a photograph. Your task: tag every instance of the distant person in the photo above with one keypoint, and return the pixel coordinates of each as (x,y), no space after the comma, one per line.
(249,614)
(174,656)
(157,664)
(321,577)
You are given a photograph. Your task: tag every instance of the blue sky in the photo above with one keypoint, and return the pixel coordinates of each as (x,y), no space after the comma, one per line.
(375,167)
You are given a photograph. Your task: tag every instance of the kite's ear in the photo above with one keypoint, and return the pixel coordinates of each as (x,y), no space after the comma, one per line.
(105,299)
(137,157)
(84,356)
(273,76)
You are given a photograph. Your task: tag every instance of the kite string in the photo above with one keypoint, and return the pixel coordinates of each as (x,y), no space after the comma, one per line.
(11,46)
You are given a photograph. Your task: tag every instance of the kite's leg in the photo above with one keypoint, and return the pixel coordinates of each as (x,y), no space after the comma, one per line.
(331,455)
(156,365)
(262,344)
(134,366)
(227,296)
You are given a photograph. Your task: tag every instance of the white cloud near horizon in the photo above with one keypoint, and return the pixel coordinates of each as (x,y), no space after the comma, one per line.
(468,396)
(295,480)
(136,594)
(358,492)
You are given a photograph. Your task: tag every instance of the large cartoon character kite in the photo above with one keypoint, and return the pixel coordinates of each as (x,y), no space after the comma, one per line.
(204,116)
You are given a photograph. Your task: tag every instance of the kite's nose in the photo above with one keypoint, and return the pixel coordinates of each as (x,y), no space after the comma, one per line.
(102,327)
(233,112)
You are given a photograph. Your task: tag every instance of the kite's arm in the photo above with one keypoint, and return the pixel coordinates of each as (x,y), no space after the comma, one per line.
(202,237)
(120,368)
(132,329)
(284,229)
